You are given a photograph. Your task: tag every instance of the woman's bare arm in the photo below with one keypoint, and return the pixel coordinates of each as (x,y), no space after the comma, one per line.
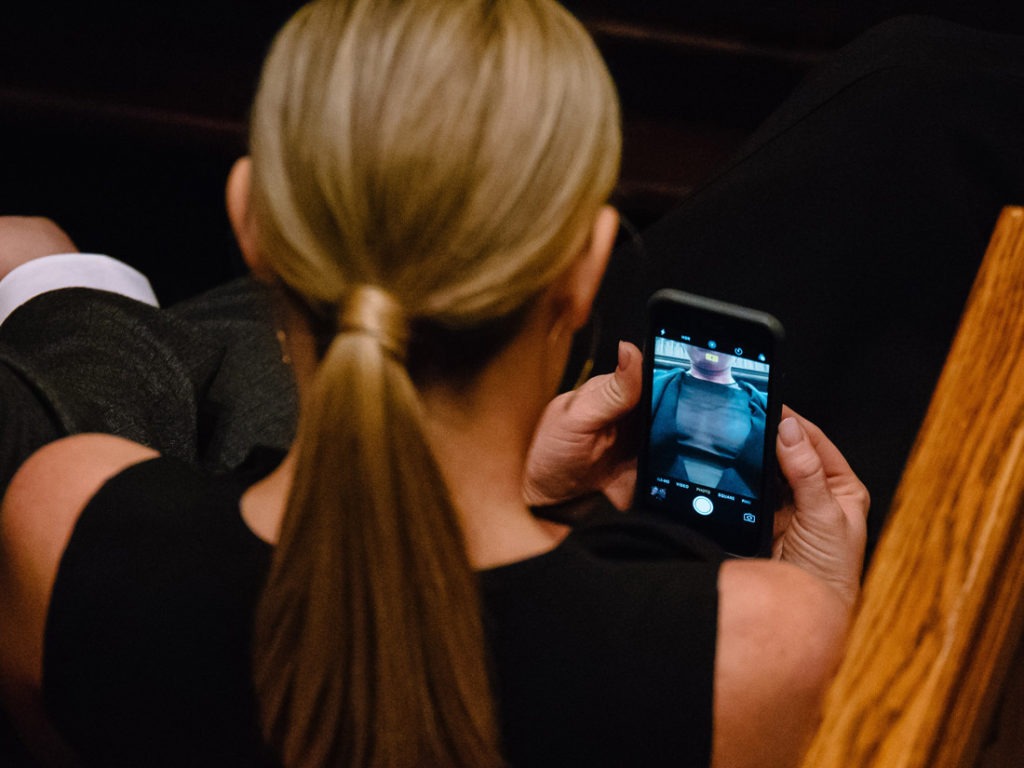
(39,512)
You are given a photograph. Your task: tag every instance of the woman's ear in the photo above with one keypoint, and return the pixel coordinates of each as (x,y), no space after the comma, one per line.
(238,196)
(585,276)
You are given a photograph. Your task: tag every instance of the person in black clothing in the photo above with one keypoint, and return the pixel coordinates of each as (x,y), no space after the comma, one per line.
(202,380)
(433,238)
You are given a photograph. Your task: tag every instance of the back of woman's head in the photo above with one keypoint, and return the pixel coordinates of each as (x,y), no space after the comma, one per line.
(453,151)
(422,170)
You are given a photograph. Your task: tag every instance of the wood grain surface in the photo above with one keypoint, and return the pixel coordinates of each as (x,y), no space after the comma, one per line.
(941,610)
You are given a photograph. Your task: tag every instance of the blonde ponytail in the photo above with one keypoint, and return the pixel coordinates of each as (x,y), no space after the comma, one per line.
(422,170)
(373,646)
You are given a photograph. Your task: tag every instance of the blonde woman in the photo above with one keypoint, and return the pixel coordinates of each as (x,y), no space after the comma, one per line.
(426,196)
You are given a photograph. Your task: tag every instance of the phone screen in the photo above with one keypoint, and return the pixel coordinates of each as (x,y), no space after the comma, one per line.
(708,458)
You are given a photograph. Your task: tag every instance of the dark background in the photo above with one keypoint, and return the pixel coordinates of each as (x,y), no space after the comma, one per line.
(120,119)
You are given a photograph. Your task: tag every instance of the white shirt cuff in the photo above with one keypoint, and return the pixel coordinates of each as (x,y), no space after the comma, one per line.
(72,270)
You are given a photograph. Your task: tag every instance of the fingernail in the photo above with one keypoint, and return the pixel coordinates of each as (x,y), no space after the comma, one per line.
(622,356)
(790,431)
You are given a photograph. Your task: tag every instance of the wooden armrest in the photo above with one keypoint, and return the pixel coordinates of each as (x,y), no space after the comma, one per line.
(941,610)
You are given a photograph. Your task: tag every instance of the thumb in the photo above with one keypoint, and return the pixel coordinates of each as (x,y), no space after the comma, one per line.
(802,466)
(617,393)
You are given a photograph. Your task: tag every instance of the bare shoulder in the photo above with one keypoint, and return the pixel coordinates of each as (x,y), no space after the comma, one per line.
(48,492)
(39,512)
(781,634)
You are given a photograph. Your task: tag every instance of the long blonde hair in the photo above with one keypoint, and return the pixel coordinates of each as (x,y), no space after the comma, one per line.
(422,170)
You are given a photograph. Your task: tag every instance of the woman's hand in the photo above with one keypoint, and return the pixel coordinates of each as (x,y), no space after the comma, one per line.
(822,527)
(584,441)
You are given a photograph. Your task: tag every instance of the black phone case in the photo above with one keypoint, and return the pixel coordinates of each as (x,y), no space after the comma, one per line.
(670,308)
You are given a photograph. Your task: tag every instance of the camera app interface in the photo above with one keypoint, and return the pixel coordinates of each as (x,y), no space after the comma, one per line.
(709,404)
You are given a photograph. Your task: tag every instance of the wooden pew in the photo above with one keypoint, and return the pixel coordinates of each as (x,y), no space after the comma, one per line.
(941,612)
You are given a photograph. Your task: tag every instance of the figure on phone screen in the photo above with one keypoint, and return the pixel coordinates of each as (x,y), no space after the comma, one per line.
(707,425)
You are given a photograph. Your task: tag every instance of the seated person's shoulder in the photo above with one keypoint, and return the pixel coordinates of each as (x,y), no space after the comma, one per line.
(39,512)
(49,491)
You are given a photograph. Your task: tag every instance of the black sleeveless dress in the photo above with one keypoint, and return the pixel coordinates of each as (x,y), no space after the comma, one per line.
(602,649)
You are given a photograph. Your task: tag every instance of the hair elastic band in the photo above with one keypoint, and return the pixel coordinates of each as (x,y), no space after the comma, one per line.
(375,312)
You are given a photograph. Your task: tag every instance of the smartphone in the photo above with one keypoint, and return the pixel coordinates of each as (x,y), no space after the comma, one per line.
(710,413)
